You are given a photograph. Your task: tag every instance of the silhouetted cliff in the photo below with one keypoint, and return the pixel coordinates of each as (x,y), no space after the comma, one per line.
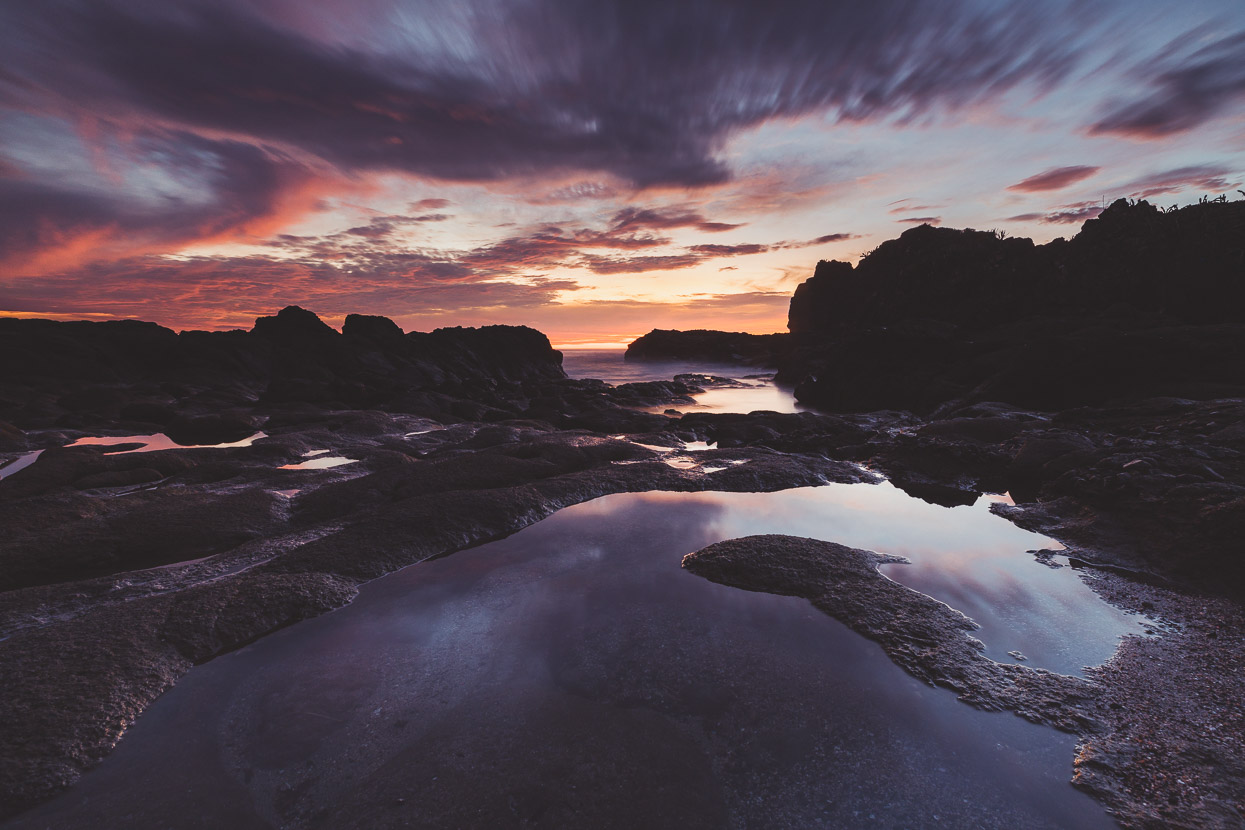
(1185,266)
(1139,303)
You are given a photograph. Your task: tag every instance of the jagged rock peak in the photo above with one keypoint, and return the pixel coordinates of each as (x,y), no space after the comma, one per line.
(371,326)
(293,322)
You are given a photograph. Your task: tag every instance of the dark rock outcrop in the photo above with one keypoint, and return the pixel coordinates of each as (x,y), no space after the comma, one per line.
(706,346)
(1140,303)
(82,375)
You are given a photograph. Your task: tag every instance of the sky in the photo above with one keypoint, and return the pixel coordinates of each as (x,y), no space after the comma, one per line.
(592,169)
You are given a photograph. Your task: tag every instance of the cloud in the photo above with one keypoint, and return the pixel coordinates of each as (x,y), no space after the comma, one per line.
(380,227)
(1209,178)
(921,220)
(634,89)
(1073,214)
(824,240)
(214,189)
(640,264)
(1056,178)
(912,208)
(730,250)
(200,121)
(665,219)
(1183,91)
(223,292)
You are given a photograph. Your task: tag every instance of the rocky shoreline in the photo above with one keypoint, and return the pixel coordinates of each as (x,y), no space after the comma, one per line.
(122,570)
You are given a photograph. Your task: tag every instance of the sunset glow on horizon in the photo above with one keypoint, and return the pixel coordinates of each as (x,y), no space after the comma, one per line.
(592,170)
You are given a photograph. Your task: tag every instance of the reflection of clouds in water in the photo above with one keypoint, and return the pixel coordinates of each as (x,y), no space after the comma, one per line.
(699,446)
(158,441)
(611,367)
(882,518)
(322,462)
(751,399)
(968,557)
(20,463)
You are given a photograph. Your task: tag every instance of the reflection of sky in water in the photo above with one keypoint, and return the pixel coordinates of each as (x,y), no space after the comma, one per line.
(576,663)
(20,463)
(763,397)
(320,462)
(966,557)
(609,366)
(159,441)
(147,443)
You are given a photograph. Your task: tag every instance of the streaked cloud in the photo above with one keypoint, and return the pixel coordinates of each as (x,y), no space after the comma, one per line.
(1201,77)
(1209,179)
(1056,178)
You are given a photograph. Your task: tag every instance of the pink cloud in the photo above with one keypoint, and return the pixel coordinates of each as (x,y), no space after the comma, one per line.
(1056,178)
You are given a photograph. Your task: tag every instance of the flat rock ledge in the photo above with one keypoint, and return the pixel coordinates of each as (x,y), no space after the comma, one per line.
(1159,744)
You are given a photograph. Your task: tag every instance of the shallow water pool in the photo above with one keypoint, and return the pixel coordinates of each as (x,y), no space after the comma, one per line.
(574,675)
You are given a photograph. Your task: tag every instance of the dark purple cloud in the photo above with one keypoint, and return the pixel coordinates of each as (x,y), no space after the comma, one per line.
(823,240)
(1182,91)
(382,226)
(1064,215)
(643,89)
(921,220)
(743,249)
(1056,178)
(640,264)
(667,218)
